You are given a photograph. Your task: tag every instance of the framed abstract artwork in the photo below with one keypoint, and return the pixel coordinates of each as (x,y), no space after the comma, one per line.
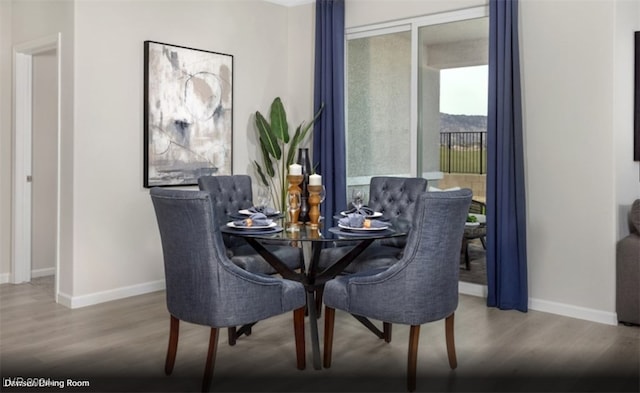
(188,114)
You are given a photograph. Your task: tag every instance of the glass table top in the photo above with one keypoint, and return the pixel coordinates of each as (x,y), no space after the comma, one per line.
(284,232)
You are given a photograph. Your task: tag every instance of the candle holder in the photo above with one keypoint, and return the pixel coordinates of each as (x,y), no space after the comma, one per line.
(314,205)
(293,201)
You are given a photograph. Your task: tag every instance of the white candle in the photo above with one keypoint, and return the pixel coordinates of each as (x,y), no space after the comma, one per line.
(315,180)
(295,169)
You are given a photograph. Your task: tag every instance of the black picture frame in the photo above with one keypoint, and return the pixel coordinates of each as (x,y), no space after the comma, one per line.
(636,99)
(188,114)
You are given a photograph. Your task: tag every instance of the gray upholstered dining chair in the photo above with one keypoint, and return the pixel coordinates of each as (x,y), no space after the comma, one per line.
(204,287)
(395,198)
(229,195)
(421,287)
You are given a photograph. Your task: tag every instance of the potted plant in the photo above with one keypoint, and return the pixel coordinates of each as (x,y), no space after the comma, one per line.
(278,149)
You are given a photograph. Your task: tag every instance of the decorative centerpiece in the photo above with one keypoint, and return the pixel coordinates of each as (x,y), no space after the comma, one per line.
(293,197)
(315,189)
(305,162)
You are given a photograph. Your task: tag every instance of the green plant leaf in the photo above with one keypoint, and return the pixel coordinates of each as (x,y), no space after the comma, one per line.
(293,147)
(266,160)
(300,134)
(279,124)
(268,140)
(262,176)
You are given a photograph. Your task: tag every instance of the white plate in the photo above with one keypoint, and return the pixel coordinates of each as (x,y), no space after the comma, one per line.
(247,212)
(362,229)
(232,225)
(471,224)
(374,215)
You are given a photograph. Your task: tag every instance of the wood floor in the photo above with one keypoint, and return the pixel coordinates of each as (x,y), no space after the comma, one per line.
(120,347)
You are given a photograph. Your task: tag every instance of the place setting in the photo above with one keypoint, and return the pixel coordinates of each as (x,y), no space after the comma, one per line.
(360,220)
(262,207)
(256,222)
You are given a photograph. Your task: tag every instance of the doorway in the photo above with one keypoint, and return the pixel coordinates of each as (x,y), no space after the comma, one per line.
(36,190)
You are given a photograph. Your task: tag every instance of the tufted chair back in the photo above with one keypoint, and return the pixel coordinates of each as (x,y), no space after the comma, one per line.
(395,197)
(229,193)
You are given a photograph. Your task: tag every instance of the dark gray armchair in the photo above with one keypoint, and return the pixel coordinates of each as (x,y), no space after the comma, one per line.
(395,198)
(204,287)
(229,195)
(421,287)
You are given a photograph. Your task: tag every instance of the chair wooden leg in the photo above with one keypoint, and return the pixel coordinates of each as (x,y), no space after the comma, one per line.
(386,331)
(414,336)
(298,328)
(231,332)
(174,331)
(329,318)
(451,345)
(211,360)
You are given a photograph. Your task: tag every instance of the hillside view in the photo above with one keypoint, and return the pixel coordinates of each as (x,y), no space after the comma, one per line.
(462,123)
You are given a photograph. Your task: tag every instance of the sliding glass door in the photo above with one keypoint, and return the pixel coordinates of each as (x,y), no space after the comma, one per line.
(395,93)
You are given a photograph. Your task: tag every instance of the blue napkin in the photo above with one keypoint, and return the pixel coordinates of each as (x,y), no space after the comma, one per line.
(269,211)
(257,219)
(355,220)
(367,211)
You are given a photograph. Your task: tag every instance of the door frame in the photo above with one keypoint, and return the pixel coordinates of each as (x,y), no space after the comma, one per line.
(22,155)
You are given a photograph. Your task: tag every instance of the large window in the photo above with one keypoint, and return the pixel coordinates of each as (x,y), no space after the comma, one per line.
(397,85)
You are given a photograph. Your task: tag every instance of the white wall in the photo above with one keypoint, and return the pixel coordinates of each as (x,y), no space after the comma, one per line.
(574,83)
(577,120)
(116,238)
(301,44)
(570,148)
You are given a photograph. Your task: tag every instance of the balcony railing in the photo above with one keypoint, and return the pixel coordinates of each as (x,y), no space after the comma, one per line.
(463,152)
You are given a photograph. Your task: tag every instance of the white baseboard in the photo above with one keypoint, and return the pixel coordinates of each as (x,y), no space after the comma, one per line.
(112,294)
(569,310)
(6,277)
(566,310)
(465,288)
(50,271)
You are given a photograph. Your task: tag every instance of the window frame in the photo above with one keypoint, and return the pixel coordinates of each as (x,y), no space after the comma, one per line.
(402,25)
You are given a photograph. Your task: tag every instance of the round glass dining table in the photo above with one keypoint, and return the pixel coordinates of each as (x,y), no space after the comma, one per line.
(312,241)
